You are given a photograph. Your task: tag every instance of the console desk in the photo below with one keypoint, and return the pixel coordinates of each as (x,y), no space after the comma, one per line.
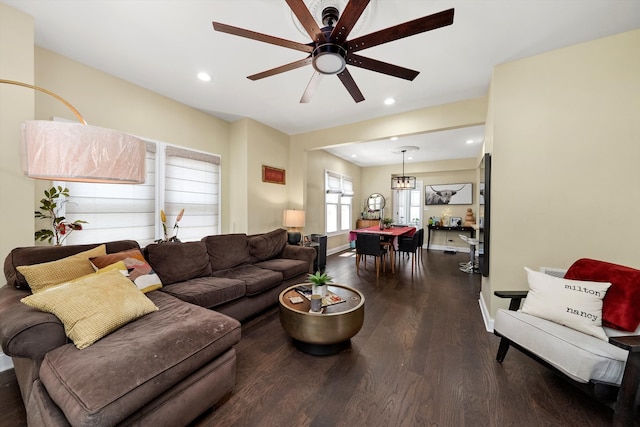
(471,230)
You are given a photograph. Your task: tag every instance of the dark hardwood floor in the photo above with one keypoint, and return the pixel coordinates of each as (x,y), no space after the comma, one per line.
(422,358)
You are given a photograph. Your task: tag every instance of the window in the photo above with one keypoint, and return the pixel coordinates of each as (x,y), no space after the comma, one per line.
(192,183)
(408,206)
(338,201)
(177,178)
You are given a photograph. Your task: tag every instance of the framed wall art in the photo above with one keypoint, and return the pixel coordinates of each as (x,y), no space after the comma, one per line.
(274,175)
(449,194)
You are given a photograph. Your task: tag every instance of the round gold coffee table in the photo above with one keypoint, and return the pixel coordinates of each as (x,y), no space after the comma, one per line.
(323,333)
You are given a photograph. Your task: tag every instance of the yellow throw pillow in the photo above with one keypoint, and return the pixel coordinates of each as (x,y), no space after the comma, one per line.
(116,266)
(93,307)
(41,276)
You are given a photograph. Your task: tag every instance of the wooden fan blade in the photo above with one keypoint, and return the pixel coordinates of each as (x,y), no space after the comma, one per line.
(281,69)
(350,84)
(347,20)
(311,87)
(381,67)
(224,28)
(306,19)
(410,28)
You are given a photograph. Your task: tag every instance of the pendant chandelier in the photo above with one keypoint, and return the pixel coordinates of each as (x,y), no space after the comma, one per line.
(403,182)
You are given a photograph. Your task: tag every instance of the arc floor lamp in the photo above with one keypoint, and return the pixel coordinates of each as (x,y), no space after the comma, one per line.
(77,151)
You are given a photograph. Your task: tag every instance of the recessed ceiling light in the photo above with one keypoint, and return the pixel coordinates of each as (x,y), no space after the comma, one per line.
(353,155)
(469,141)
(389,101)
(204,76)
(394,138)
(409,158)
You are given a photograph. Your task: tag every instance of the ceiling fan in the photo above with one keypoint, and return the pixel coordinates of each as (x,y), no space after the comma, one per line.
(330,51)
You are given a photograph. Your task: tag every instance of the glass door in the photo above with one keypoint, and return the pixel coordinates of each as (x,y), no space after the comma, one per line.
(407,206)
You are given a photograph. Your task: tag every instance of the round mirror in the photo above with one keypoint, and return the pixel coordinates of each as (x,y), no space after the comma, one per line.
(375,202)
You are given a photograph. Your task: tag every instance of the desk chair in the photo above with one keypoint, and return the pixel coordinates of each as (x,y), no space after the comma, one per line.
(369,244)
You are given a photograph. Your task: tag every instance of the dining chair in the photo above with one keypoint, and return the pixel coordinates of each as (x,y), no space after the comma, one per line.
(387,243)
(369,244)
(410,245)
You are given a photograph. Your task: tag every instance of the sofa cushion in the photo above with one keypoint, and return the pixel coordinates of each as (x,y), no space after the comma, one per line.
(149,355)
(177,262)
(39,254)
(620,306)
(227,250)
(138,269)
(572,303)
(46,274)
(256,279)
(93,307)
(288,267)
(581,357)
(268,245)
(207,291)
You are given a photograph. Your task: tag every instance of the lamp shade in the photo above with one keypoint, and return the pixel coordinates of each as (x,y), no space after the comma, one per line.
(293,218)
(78,152)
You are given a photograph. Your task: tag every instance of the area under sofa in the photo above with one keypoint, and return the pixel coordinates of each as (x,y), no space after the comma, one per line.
(164,368)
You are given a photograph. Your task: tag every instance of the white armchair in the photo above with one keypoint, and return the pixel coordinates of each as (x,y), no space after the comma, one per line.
(607,365)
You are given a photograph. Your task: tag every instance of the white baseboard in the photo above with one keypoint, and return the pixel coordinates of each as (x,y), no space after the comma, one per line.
(338,249)
(488,321)
(5,363)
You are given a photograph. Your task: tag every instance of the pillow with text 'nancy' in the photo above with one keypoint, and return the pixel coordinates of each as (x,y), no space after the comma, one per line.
(572,303)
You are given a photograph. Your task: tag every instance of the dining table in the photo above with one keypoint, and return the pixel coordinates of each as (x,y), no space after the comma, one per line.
(392,233)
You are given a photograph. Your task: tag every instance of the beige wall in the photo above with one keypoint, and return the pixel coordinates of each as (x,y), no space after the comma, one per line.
(565,153)
(107,101)
(318,162)
(16,105)
(268,147)
(238,186)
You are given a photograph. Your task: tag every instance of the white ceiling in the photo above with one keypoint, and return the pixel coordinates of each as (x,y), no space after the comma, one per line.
(162,44)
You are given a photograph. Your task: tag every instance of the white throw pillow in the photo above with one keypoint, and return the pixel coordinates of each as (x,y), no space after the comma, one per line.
(576,304)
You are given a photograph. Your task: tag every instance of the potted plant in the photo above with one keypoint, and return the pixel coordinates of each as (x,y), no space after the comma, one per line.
(50,208)
(319,283)
(387,222)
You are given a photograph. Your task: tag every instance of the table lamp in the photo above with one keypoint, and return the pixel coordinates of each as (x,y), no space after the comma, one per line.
(293,219)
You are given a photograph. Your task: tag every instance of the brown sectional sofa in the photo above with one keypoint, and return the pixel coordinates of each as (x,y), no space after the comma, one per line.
(165,368)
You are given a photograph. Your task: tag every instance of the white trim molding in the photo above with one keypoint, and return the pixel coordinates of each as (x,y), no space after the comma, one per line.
(488,320)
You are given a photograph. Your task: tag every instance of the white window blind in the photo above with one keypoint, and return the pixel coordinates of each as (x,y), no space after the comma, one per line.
(176,178)
(114,211)
(192,183)
(333,183)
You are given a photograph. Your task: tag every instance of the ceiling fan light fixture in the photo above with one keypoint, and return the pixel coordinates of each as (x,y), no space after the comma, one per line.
(329,59)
